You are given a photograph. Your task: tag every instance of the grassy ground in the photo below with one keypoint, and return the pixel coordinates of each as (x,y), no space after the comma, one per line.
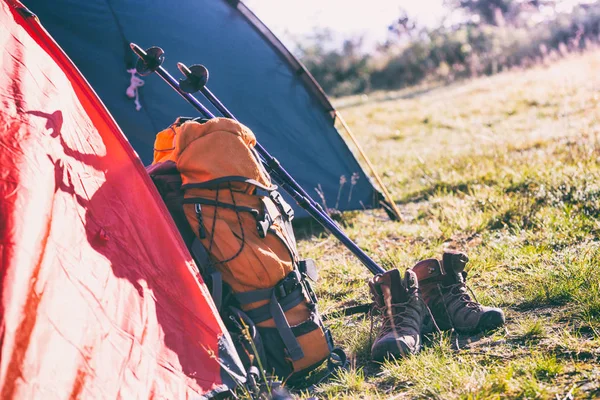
(507,169)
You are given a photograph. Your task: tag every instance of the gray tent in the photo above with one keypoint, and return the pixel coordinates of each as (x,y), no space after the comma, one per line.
(251,71)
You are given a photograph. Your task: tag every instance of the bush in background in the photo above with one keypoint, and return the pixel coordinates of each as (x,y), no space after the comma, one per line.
(481,45)
(339,71)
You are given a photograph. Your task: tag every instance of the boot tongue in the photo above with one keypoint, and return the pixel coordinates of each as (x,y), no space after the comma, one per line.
(393,287)
(454,263)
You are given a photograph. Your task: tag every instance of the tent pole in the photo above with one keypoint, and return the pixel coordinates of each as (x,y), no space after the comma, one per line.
(384,189)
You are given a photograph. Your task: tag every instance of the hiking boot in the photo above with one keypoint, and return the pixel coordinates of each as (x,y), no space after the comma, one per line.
(444,290)
(402,313)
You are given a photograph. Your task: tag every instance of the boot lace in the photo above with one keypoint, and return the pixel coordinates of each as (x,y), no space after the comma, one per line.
(459,293)
(391,320)
(399,313)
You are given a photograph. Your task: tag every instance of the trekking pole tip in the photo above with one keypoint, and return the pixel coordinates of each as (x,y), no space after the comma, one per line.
(184,69)
(196,77)
(137,50)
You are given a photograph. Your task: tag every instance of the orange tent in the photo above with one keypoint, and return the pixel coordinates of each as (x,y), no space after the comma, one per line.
(99,297)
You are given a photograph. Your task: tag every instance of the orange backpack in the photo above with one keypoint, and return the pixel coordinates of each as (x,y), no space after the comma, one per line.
(243,231)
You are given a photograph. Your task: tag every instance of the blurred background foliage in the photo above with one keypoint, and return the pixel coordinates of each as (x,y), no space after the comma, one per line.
(478,37)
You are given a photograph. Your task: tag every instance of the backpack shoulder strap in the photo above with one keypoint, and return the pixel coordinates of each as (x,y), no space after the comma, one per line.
(204,263)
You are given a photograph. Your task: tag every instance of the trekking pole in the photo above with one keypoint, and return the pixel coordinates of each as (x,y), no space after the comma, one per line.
(151,60)
(196,79)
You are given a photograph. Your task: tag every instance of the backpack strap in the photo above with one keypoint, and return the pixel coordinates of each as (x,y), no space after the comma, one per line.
(308,268)
(287,294)
(271,214)
(205,264)
(282,297)
(286,210)
(211,184)
(287,215)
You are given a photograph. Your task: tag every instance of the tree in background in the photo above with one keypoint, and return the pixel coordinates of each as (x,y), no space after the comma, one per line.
(489,12)
(403,26)
(499,12)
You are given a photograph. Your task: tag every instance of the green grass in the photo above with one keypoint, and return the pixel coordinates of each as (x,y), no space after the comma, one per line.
(507,169)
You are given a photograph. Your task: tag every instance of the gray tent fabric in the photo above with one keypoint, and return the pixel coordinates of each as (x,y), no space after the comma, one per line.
(250,71)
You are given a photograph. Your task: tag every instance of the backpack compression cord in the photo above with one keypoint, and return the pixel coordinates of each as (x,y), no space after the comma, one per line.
(196,78)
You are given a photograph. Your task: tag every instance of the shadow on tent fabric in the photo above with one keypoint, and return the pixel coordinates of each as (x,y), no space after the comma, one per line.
(125,263)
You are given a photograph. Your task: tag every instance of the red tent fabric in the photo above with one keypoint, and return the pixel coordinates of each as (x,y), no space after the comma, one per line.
(99,298)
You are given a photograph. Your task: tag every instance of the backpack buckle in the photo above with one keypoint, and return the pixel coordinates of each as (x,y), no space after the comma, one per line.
(263,225)
(283,206)
(287,285)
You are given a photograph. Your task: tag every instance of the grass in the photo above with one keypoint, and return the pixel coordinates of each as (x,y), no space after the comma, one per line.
(506,168)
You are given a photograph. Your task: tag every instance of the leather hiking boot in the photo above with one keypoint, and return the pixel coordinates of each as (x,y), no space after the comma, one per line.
(402,314)
(444,290)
